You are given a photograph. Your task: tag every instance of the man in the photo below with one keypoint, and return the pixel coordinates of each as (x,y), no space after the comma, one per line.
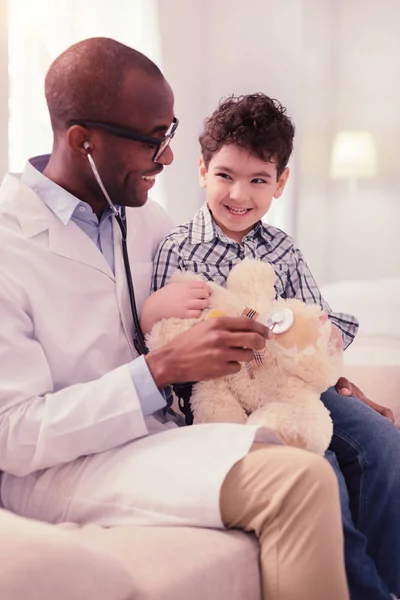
(76,401)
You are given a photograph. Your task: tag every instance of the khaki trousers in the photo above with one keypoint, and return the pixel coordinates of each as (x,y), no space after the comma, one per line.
(289,498)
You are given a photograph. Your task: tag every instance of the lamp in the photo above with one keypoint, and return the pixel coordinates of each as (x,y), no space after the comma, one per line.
(353,157)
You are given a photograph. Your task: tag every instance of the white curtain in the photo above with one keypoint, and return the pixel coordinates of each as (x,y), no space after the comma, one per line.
(40,30)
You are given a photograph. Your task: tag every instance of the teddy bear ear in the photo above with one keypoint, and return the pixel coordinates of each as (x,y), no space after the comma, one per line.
(253,281)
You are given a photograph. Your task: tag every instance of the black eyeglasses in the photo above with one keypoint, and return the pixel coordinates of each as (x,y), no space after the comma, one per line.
(160,144)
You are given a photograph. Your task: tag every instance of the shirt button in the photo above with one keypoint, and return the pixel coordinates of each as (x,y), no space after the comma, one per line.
(82,209)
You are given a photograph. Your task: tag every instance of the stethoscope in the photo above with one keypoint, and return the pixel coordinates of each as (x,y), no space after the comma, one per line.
(182,390)
(120,216)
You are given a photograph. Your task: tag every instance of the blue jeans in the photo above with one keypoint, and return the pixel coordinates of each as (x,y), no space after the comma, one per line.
(365,455)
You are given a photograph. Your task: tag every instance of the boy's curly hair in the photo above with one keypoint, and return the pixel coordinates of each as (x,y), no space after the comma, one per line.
(254,122)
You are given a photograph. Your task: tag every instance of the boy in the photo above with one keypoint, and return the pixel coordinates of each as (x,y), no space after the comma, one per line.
(245,147)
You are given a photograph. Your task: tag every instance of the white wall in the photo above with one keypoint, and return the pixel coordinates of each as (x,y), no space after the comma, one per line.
(333,63)
(351,67)
(213,49)
(182,26)
(3,89)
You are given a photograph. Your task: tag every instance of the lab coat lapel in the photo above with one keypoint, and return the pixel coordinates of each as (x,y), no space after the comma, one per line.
(82,250)
(34,217)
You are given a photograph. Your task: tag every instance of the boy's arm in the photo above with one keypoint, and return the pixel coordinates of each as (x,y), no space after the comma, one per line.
(184,300)
(301,284)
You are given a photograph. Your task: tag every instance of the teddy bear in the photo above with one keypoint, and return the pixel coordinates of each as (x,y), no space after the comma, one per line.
(281,387)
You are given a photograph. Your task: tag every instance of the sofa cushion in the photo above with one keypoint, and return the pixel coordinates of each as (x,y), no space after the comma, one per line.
(179,563)
(374,303)
(41,562)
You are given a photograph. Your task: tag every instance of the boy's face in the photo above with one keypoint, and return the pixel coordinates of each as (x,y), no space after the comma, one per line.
(239,189)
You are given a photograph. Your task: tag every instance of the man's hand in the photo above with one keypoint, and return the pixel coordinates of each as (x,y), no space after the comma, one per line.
(211,349)
(182,299)
(346,388)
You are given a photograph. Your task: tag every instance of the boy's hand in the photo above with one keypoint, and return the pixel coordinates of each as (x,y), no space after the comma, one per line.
(212,348)
(346,388)
(183,299)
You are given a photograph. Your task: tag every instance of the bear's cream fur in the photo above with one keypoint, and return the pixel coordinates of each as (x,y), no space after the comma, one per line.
(298,365)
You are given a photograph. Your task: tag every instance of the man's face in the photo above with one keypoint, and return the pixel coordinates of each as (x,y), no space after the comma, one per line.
(126,166)
(239,189)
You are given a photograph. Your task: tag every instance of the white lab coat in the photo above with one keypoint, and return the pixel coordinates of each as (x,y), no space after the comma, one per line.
(74,444)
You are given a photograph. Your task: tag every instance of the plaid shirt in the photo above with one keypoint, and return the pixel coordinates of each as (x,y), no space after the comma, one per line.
(202,247)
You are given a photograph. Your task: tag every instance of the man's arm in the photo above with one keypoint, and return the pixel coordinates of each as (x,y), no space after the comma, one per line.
(301,284)
(41,427)
(210,349)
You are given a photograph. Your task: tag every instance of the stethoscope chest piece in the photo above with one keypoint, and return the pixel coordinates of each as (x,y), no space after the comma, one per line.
(280,320)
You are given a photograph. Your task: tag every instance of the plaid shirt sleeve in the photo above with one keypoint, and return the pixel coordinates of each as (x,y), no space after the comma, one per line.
(301,284)
(166,261)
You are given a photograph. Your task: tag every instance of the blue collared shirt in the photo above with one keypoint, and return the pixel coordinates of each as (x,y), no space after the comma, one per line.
(69,208)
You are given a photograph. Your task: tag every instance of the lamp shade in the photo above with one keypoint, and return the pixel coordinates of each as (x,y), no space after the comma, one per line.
(353,156)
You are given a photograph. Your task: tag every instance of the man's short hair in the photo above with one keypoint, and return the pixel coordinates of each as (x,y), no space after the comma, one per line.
(254,122)
(85,80)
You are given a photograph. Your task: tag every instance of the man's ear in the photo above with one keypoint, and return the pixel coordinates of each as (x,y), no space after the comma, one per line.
(202,172)
(284,176)
(77,138)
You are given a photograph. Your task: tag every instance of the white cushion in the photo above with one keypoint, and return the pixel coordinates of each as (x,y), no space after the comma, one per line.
(373,359)
(376,304)
(178,563)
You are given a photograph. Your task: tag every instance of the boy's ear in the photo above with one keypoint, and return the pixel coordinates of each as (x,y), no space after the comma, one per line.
(202,172)
(282,182)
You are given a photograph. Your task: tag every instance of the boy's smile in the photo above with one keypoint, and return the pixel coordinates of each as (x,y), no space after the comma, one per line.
(238,212)
(239,188)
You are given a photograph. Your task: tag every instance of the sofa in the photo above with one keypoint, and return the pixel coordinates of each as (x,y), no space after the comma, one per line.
(129,563)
